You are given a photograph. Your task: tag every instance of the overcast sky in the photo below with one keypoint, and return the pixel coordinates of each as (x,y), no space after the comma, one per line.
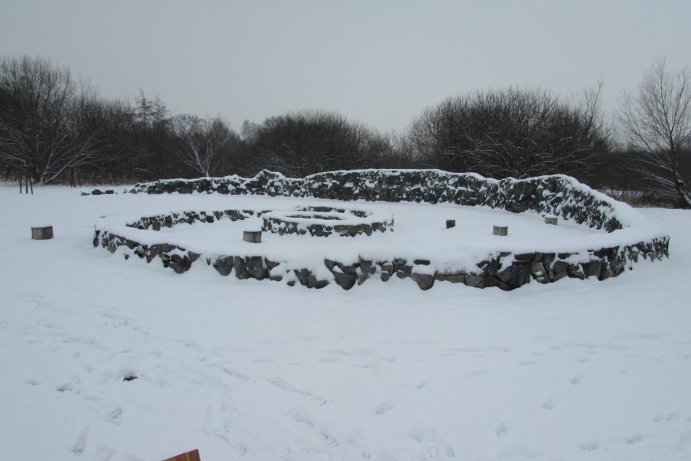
(378,62)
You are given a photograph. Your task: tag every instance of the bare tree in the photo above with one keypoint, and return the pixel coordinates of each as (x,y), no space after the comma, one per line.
(510,132)
(34,134)
(658,122)
(87,127)
(307,142)
(201,141)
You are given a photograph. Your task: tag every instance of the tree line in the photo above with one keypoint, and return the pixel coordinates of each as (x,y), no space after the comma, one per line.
(54,129)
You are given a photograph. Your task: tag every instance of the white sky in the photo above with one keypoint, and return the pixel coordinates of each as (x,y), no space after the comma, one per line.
(377,62)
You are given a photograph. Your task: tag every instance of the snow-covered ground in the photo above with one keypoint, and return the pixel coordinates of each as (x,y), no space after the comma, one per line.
(249,370)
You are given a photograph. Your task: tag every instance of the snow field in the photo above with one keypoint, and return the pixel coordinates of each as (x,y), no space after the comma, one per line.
(249,370)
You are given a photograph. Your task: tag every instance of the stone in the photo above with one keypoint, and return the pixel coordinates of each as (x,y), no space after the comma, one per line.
(254,265)
(223,265)
(474,281)
(575,271)
(539,272)
(140,251)
(505,274)
(592,268)
(424,281)
(240,268)
(520,275)
(349,269)
(367,267)
(453,278)
(345,280)
(308,279)
(524,257)
(558,271)
(179,263)
(450,223)
(494,281)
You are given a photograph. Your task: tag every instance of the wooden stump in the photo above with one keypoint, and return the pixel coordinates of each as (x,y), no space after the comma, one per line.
(551,220)
(450,223)
(500,230)
(189,456)
(252,236)
(42,233)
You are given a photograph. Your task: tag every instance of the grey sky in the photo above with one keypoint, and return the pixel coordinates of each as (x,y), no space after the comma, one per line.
(374,61)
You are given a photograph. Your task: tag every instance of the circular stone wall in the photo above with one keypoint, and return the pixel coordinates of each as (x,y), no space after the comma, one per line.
(320,221)
(630,238)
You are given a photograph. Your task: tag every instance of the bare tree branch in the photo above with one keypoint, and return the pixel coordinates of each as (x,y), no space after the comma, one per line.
(657,122)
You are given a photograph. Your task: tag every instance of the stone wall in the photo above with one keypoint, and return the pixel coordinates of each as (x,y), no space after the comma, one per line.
(504,270)
(325,221)
(554,195)
(557,195)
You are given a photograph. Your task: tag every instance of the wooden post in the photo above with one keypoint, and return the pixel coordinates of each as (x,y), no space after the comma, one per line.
(189,456)
(42,233)
(252,236)
(500,230)
(450,223)
(551,220)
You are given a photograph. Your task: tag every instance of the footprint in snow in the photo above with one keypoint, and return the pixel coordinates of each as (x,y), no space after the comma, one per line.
(111,414)
(575,380)
(288,387)
(65,387)
(383,408)
(80,444)
(501,429)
